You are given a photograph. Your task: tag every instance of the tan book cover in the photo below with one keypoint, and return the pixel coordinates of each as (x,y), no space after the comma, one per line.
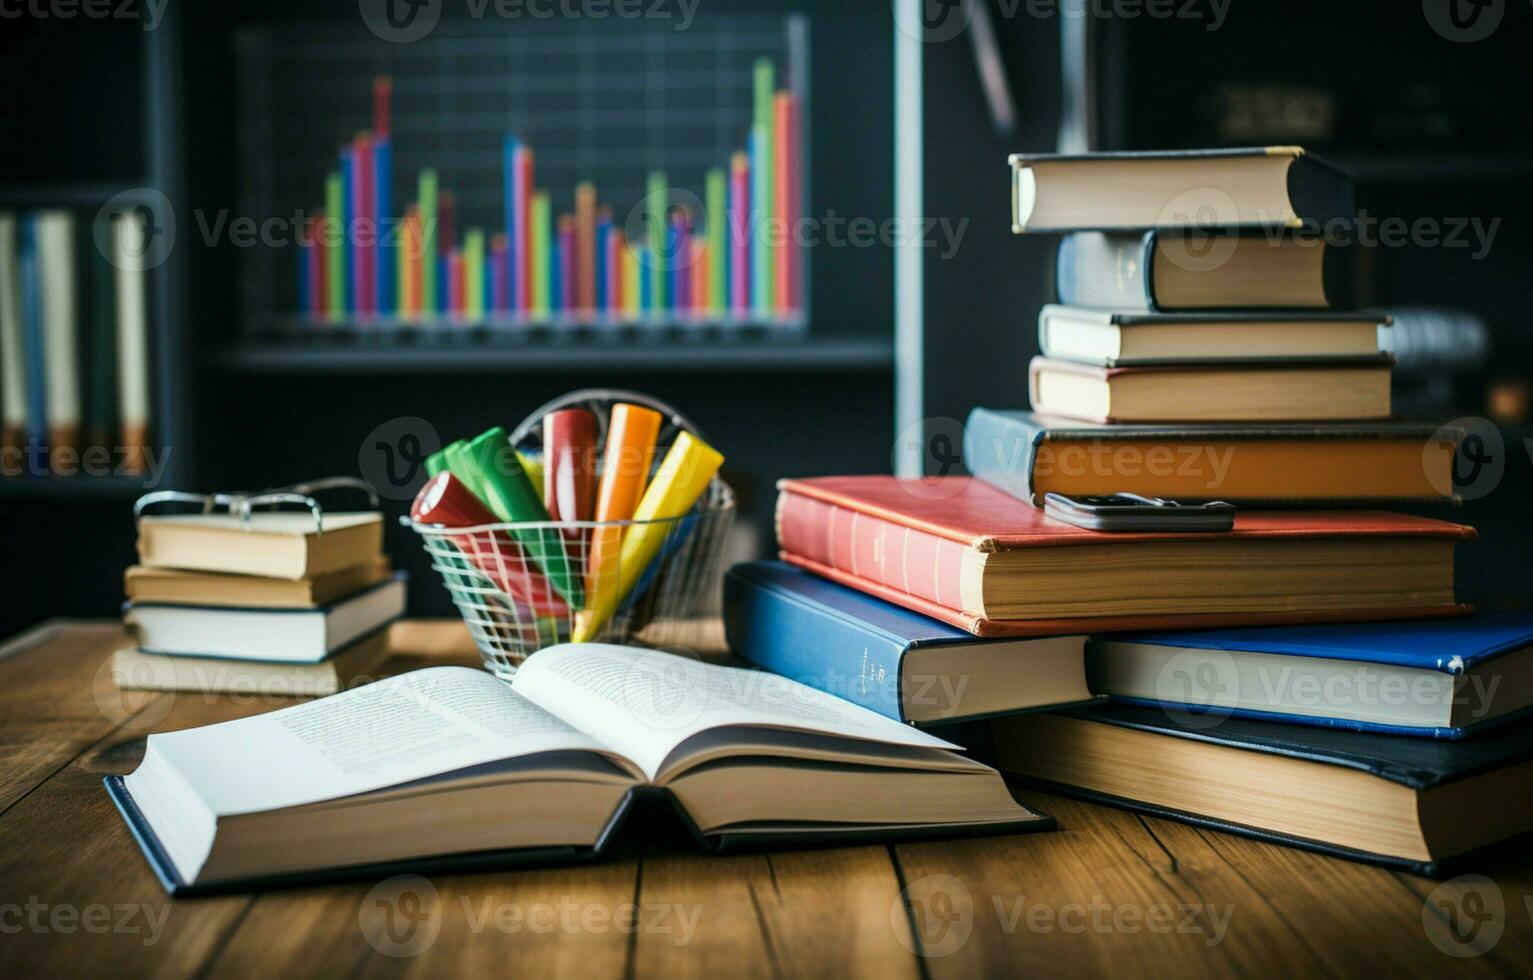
(278,545)
(172,585)
(134,669)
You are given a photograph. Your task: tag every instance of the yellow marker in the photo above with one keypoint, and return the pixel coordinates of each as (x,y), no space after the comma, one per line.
(681,479)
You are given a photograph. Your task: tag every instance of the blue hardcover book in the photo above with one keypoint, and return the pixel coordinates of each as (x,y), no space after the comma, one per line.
(1439,678)
(896,662)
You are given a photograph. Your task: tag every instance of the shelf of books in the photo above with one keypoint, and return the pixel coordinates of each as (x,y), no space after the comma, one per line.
(89,314)
(77,382)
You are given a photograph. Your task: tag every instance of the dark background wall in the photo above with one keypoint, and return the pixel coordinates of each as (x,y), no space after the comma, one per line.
(1431,128)
(813,412)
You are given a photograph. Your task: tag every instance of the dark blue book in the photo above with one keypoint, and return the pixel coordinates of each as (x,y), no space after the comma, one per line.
(1144,272)
(1439,678)
(32,343)
(1431,807)
(896,662)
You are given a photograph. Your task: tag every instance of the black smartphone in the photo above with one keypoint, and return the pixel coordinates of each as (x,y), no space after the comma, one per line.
(1131,512)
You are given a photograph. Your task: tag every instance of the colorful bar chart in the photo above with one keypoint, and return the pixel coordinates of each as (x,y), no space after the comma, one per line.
(717,243)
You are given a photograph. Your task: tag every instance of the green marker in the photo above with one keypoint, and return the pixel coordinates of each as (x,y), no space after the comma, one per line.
(460,465)
(436,462)
(513,499)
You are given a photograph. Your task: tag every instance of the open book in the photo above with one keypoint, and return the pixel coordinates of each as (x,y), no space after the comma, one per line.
(451,761)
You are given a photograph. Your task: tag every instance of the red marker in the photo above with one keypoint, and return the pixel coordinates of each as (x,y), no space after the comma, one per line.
(445,501)
(569,467)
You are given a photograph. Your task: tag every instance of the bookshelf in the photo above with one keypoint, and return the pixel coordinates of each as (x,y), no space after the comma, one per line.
(155,176)
(468,354)
(244,401)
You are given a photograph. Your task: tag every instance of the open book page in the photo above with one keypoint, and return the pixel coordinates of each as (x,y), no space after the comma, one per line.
(643,703)
(419,724)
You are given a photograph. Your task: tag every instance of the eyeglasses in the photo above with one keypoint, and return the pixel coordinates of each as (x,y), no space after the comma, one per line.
(242,504)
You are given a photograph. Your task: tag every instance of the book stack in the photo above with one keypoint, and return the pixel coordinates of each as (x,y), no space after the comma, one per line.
(272,606)
(74,349)
(1198,355)
(1202,347)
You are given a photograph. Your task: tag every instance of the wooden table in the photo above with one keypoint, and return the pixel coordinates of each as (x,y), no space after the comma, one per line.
(1108,892)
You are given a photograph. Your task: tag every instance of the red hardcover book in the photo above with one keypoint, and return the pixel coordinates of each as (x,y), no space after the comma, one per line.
(963,552)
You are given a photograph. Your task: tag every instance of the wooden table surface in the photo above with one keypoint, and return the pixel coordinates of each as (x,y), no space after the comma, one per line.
(1108,892)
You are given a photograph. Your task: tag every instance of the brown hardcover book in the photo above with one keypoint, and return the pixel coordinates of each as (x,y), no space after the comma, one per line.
(169,585)
(1029,455)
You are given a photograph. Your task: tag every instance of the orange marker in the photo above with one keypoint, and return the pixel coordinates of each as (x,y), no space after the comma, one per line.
(631,435)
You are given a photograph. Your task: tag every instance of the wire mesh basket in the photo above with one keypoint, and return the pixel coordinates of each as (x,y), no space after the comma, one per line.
(522,586)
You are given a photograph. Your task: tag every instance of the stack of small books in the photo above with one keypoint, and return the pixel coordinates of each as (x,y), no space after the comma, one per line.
(271,605)
(1322,681)
(1222,311)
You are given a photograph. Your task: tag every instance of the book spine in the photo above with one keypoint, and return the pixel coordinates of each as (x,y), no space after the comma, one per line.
(32,339)
(1001,452)
(1318,193)
(133,411)
(13,379)
(805,642)
(56,267)
(901,558)
(103,347)
(1109,272)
